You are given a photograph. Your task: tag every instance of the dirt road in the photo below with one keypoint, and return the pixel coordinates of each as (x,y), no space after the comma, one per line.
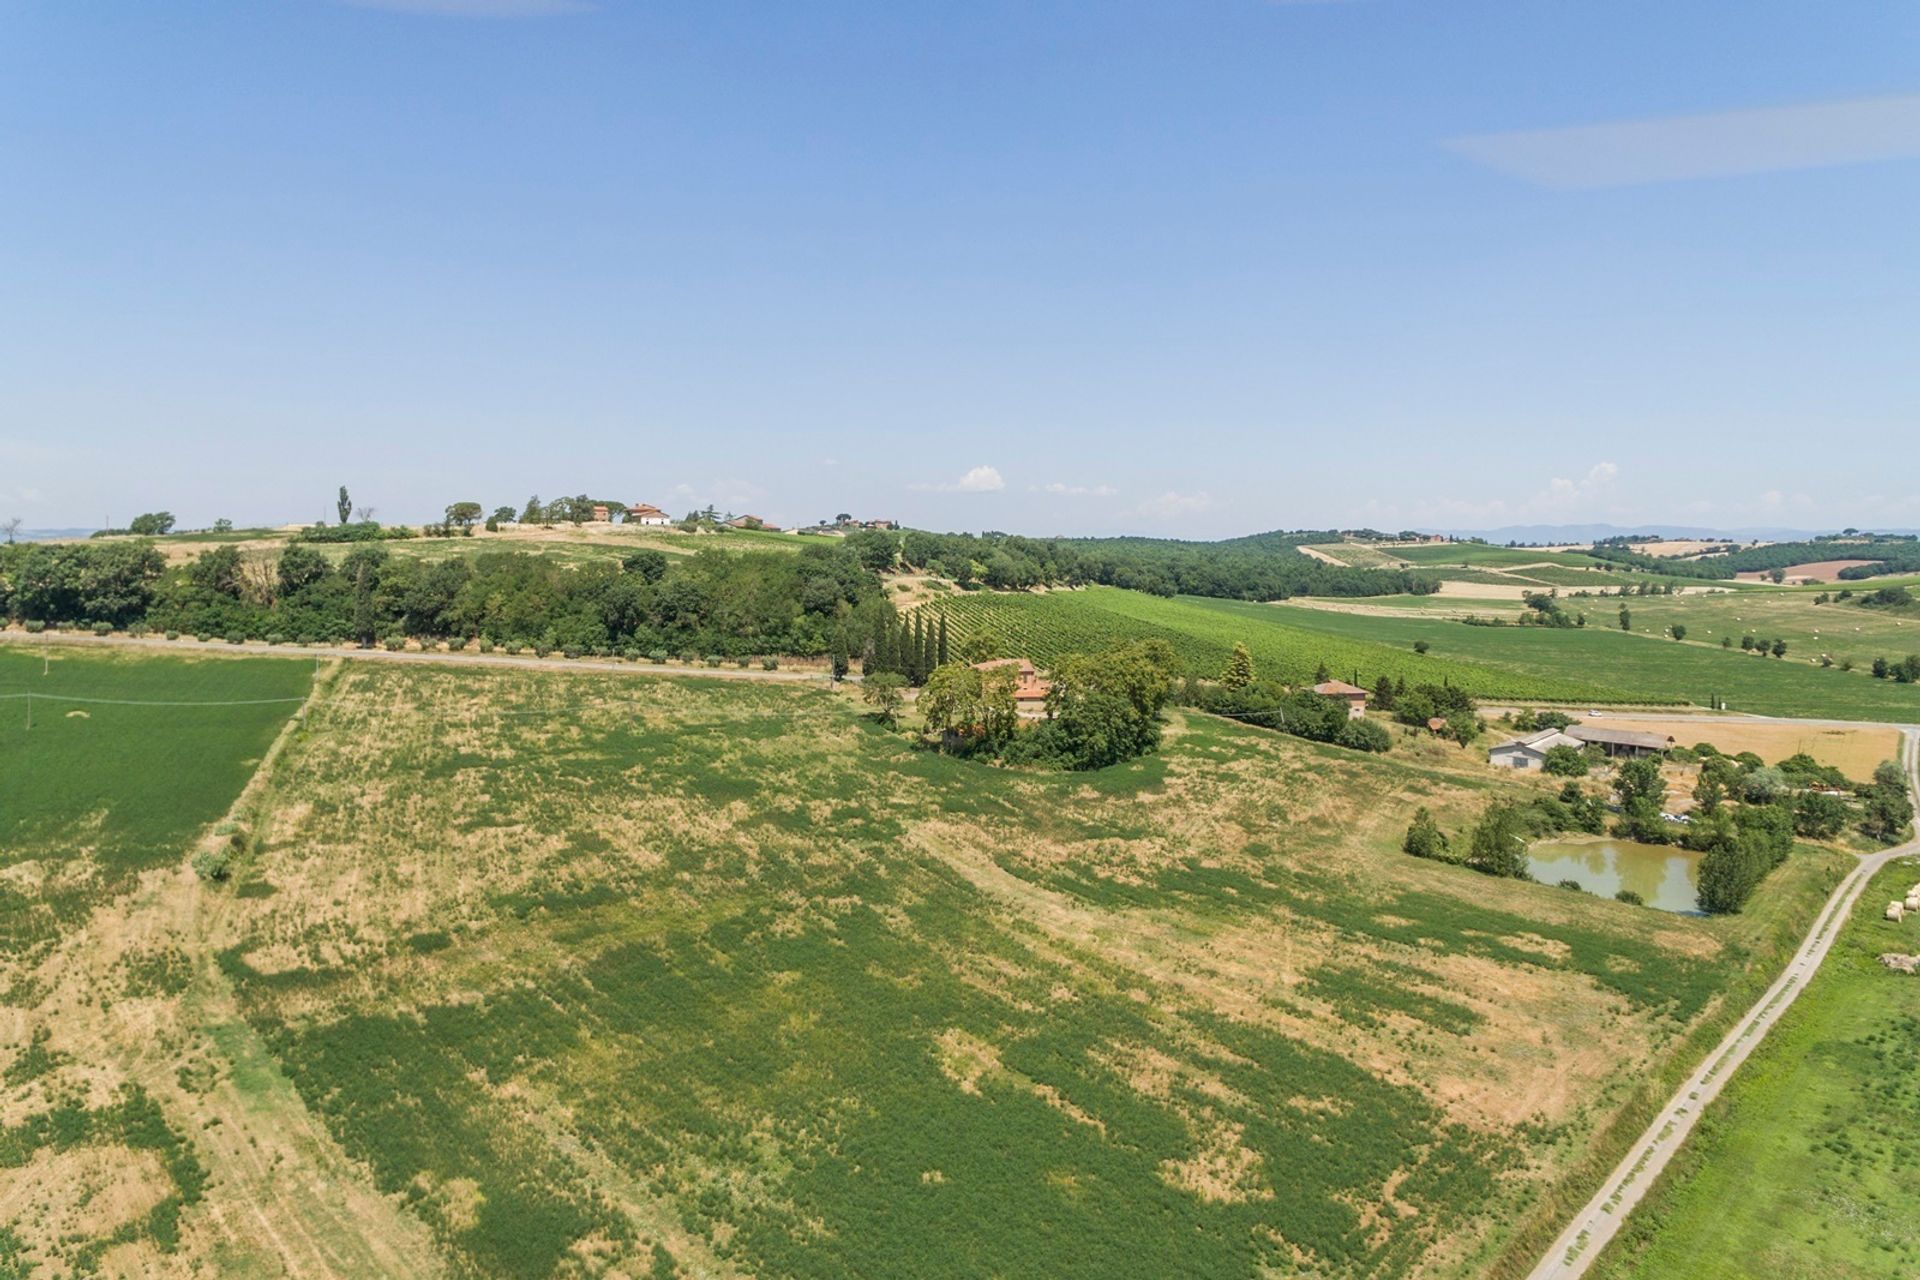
(1601,1219)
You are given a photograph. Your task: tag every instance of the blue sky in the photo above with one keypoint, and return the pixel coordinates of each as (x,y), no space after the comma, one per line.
(1192,269)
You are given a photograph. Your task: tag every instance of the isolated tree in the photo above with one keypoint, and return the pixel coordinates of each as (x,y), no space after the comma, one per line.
(1626,618)
(364,515)
(344,505)
(1421,646)
(503,515)
(462,514)
(1779,648)
(837,655)
(223,525)
(1496,847)
(940,646)
(1239,672)
(1679,630)
(151,523)
(533,511)
(1424,838)
(883,691)
(11,526)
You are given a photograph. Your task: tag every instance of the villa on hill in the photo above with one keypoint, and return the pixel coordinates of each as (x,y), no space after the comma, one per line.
(646,513)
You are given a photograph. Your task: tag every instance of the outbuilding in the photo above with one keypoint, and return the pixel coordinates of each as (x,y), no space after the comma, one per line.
(1352,694)
(1529,752)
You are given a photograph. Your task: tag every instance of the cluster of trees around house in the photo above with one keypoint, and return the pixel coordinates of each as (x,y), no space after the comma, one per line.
(809,603)
(1891,553)
(1102,708)
(1239,694)
(1263,567)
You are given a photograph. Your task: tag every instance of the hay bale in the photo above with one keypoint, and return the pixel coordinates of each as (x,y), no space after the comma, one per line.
(1913,902)
(1895,910)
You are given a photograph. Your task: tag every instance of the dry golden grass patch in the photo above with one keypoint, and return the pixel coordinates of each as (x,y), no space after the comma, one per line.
(1853,751)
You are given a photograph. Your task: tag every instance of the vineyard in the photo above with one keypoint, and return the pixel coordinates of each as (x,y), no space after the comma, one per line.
(1203,633)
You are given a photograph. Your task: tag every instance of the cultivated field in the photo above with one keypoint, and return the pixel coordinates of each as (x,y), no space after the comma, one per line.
(530,972)
(1656,669)
(1802,1167)
(100,803)
(1855,752)
(1203,632)
(1841,630)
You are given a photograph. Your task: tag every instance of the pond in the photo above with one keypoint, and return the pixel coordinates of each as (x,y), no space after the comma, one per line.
(1663,875)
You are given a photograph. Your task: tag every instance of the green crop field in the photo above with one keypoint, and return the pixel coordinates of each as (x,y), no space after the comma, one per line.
(1803,1166)
(724,979)
(1203,632)
(98,790)
(1654,669)
(98,784)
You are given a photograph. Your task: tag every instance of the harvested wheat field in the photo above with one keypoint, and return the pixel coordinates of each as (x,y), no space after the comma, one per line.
(1853,751)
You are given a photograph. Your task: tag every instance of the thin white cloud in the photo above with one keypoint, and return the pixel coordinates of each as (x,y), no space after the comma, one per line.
(1177,502)
(1075,490)
(1723,144)
(981,479)
(479,8)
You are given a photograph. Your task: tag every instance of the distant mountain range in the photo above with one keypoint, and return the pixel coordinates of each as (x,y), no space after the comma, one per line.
(43,535)
(1566,533)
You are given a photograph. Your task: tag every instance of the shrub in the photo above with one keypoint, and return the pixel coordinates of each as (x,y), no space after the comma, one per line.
(139,631)
(456,643)
(173,635)
(715,659)
(571,651)
(1424,838)
(1363,735)
(769,664)
(1574,885)
(236,637)
(514,651)
(103,628)
(35,626)
(486,645)
(657,656)
(689,657)
(205,637)
(395,643)
(1566,762)
(213,864)
(1629,897)
(276,638)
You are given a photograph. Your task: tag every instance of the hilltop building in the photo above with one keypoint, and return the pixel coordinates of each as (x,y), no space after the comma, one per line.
(1352,694)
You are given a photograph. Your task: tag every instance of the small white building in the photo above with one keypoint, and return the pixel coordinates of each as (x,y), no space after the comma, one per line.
(1529,752)
(647,513)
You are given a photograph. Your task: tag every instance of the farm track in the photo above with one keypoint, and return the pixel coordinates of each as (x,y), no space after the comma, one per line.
(1595,1226)
(253,648)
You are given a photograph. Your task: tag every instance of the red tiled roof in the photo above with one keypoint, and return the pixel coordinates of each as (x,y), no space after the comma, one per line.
(1339,689)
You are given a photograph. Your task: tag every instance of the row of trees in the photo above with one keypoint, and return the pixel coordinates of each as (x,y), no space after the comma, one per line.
(1265,567)
(813,602)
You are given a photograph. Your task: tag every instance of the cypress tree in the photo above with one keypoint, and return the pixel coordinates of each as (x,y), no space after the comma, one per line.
(942,646)
(917,648)
(838,654)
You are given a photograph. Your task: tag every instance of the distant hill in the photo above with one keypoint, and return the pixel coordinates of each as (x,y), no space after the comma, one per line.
(1586,533)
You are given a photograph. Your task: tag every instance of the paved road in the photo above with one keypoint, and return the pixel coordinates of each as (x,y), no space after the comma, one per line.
(1596,1224)
(86,640)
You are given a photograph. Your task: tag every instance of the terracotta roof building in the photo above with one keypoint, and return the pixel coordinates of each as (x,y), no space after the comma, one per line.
(1352,694)
(1029,690)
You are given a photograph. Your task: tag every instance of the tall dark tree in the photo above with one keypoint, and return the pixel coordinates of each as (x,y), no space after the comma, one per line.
(837,655)
(344,505)
(941,647)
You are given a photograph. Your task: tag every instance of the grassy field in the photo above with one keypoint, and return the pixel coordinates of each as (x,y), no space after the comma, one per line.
(1203,633)
(1801,1170)
(727,979)
(1477,555)
(1654,668)
(1841,631)
(98,791)
(97,1172)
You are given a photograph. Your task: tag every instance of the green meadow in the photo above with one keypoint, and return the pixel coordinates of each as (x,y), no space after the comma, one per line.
(1802,1167)
(723,979)
(1655,669)
(1203,632)
(121,768)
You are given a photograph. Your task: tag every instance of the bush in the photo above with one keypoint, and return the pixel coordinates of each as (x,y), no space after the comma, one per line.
(1424,838)
(1363,735)
(715,659)
(276,638)
(173,635)
(1629,897)
(689,657)
(456,643)
(205,637)
(542,650)
(657,657)
(1566,762)
(1574,885)
(103,628)
(486,645)
(743,662)
(236,637)
(35,626)
(395,643)
(213,864)
(571,651)
(769,664)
